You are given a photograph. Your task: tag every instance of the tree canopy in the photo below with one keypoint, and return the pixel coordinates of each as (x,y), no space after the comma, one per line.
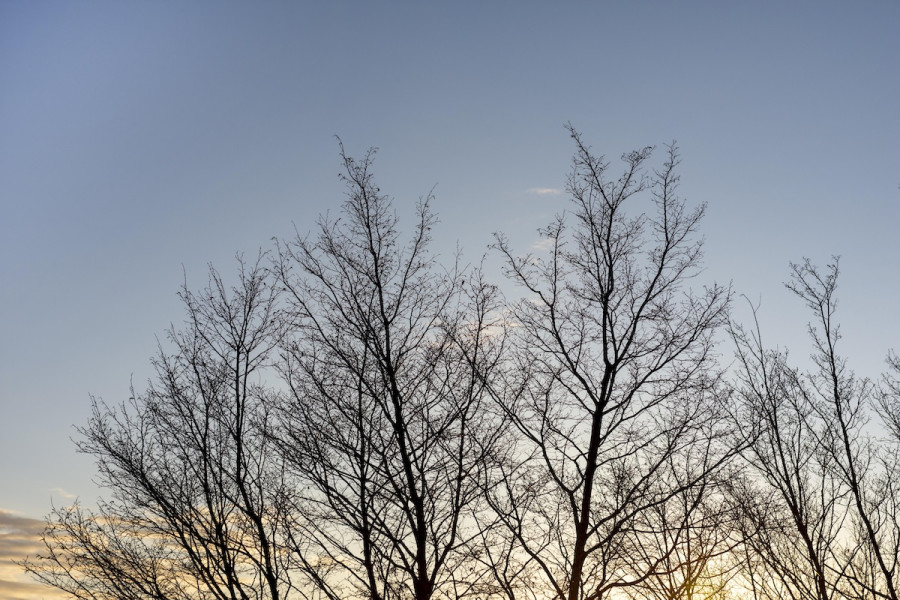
(350,417)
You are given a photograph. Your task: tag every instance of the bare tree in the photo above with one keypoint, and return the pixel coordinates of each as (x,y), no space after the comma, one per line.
(385,426)
(357,421)
(197,496)
(694,534)
(831,525)
(791,513)
(843,400)
(612,386)
(889,397)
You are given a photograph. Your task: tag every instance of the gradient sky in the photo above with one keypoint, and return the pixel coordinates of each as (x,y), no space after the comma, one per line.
(140,141)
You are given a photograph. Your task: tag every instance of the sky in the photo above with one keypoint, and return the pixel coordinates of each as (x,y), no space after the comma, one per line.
(142,141)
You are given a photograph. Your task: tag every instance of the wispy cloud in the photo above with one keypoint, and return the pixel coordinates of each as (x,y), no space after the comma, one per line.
(20,538)
(541,191)
(63,493)
(543,244)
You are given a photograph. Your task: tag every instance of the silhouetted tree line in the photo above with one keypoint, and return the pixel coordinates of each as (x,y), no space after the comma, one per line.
(354,419)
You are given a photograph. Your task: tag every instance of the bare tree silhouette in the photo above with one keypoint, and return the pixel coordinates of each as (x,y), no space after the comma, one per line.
(827,525)
(612,386)
(197,496)
(385,426)
(355,420)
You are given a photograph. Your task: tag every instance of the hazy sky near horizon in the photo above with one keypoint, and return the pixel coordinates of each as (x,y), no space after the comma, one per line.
(140,141)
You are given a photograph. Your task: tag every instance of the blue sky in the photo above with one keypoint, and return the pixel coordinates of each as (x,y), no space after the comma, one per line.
(140,141)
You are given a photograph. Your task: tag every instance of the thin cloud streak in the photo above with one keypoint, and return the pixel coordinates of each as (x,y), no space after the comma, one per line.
(63,493)
(540,191)
(543,244)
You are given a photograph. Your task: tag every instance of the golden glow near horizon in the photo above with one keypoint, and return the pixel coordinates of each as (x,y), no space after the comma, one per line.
(20,538)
